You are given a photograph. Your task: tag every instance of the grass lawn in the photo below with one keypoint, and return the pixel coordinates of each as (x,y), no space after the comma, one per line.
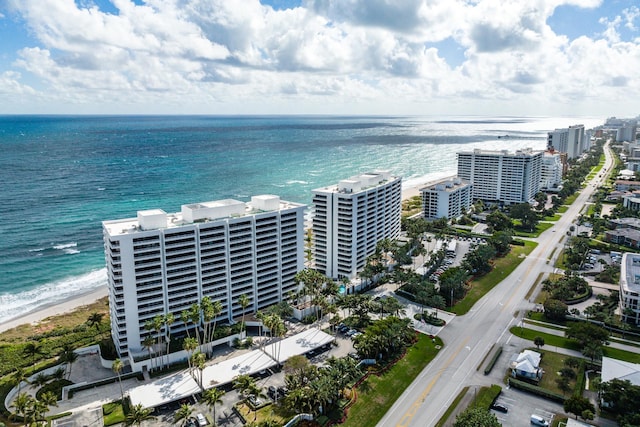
(572,198)
(113,413)
(541,227)
(556,341)
(501,269)
(268,412)
(552,363)
(555,217)
(378,393)
(562,209)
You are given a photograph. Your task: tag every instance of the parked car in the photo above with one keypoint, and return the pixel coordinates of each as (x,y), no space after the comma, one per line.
(500,408)
(202,421)
(537,420)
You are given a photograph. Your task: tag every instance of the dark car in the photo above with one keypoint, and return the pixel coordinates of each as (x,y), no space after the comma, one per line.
(499,407)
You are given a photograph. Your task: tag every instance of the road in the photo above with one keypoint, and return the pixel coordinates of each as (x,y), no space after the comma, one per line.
(468,338)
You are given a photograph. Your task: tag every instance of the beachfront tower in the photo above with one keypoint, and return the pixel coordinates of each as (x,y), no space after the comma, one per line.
(350,218)
(501,177)
(448,198)
(159,263)
(569,140)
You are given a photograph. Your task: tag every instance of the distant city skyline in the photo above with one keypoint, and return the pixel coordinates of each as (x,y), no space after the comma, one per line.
(404,57)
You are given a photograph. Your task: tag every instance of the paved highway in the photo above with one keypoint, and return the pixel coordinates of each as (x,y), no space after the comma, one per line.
(468,338)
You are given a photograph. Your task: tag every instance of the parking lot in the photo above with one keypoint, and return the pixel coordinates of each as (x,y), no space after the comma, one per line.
(521,406)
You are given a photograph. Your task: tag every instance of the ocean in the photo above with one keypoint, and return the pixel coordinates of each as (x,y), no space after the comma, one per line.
(62,176)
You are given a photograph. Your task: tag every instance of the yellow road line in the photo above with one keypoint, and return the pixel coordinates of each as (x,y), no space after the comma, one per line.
(408,416)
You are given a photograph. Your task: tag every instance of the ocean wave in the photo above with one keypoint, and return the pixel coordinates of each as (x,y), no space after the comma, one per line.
(295,181)
(15,305)
(68,248)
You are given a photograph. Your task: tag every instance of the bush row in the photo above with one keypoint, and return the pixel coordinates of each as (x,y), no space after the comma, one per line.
(525,386)
(493,360)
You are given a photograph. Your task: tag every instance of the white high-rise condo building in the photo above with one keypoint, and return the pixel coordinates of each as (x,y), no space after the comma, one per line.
(630,287)
(501,177)
(448,198)
(159,263)
(350,218)
(570,140)
(551,172)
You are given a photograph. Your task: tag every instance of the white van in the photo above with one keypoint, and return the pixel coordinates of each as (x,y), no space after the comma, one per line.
(537,420)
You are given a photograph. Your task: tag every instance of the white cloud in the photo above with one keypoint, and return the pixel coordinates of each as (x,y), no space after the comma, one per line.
(363,54)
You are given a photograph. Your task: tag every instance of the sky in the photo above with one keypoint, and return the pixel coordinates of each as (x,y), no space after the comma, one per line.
(354,57)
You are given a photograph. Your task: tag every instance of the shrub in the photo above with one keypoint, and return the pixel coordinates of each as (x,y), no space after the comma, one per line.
(493,360)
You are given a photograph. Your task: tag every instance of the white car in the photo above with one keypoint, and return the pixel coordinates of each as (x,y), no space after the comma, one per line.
(202,421)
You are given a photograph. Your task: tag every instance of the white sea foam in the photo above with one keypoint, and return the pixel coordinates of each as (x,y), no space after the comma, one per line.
(14,305)
(295,181)
(68,248)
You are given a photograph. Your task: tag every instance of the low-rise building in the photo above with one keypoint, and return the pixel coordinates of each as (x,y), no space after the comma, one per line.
(527,365)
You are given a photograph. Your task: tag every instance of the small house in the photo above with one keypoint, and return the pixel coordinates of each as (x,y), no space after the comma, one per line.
(527,365)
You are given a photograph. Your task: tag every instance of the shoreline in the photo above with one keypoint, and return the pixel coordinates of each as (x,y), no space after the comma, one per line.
(55,309)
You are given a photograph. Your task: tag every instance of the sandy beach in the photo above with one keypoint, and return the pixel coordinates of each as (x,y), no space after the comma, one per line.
(55,309)
(90,297)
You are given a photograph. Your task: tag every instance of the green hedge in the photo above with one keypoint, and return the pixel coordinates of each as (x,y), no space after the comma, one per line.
(542,392)
(493,360)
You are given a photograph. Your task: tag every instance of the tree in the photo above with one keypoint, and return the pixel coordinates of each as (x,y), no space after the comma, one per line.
(244,302)
(539,342)
(555,309)
(563,384)
(183,413)
(474,417)
(498,221)
(95,320)
(211,398)
(21,403)
(587,333)
(501,241)
(137,415)
(577,405)
(18,377)
(527,216)
(117,367)
(68,356)
(32,349)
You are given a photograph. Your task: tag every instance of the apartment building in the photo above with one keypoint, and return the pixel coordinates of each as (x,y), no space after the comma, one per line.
(501,177)
(159,263)
(448,198)
(630,287)
(551,171)
(569,140)
(350,218)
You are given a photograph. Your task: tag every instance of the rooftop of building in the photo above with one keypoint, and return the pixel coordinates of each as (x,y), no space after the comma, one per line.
(525,152)
(202,212)
(447,184)
(358,183)
(630,272)
(626,222)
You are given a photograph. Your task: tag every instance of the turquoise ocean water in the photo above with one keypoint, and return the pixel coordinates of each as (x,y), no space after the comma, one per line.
(61,176)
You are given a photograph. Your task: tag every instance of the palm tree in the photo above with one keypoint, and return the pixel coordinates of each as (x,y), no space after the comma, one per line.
(169,319)
(242,383)
(58,374)
(49,398)
(18,376)
(148,343)
(183,413)
(21,404)
(211,398)
(69,357)
(244,302)
(198,360)
(41,379)
(137,415)
(117,367)
(189,345)
(95,320)
(158,323)
(32,349)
